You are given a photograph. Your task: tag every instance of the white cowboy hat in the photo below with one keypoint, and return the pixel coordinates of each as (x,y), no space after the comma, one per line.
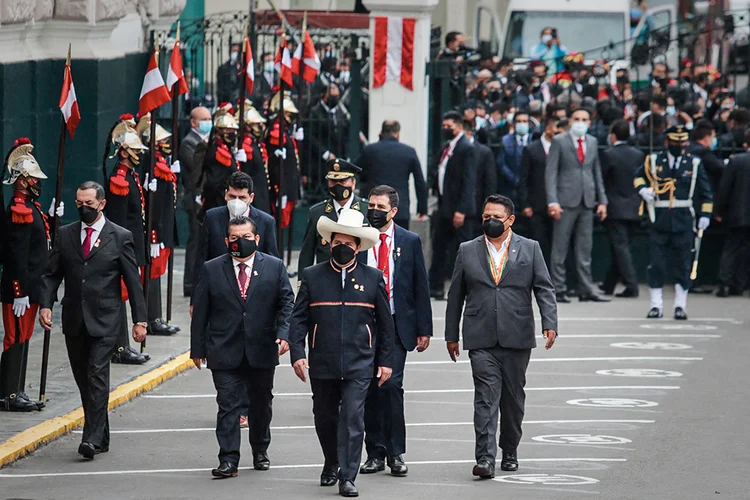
(350,222)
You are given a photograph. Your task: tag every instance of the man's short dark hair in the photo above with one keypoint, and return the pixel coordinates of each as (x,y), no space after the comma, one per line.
(241,220)
(703,129)
(499,199)
(357,240)
(550,120)
(621,130)
(95,186)
(740,117)
(660,101)
(520,113)
(453,116)
(451,36)
(498,107)
(240,180)
(586,110)
(390,127)
(388,191)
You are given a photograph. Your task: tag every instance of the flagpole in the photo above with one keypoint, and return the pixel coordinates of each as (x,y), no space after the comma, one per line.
(243,89)
(175,151)
(300,85)
(280,118)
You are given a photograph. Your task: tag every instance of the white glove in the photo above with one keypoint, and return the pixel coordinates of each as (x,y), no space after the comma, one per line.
(60,211)
(156,249)
(647,194)
(703,223)
(199,200)
(281,153)
(240,155)
(150,185)
(20,304)
(176,167)
(299,135)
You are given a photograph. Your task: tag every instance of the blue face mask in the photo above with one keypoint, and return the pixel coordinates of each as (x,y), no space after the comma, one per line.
(579,129)
(479,122)
(714,143)
(522,128)
(501,123)
(205,126)
(671,111)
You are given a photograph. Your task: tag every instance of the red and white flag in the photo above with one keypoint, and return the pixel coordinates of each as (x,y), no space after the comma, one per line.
(175,73)
(249,67)
(283,62)
(153,93)
(306,65)
(69,103)
(394,51)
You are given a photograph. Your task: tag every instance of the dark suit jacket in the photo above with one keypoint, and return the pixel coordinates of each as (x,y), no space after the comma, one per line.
(459,184)
(499,314)
(509,166)
(619,165)
(486,176)
(532,192)
(224,327)
(714,166)
(733,198)
(391,162)
(93,290)
(190,168)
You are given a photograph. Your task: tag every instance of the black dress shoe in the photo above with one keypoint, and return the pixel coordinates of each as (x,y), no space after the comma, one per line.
(484,470)
(20,403)
(700,289)
(224,470)
(372,465)
(654,313)
(329,476)
(160,327)
(397,465)
(562,299)
(627,294)
(605,290)
(509,462)
(136,353)
(261,460)
(592,298)
(680,314)
(39,405)
(347,489)
(128,356)
(87,450)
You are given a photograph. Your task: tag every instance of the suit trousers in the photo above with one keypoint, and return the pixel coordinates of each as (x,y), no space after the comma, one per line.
(233,390)
(735,259)
(339,410)
(154,299)
(499,378)
(665,248)
(123,336)
(621,234)
(385,425)
(540,229)
(89,360)
(191,249)
(445,242)
(575,223)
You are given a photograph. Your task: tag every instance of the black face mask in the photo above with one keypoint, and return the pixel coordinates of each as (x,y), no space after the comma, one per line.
(377,218)
(35,189)
(242,248)
(342,254)
(494,95)
(493,228)
(339,192)
(675,150)
(448,134)
(87,214)
(230,138)
(332,101)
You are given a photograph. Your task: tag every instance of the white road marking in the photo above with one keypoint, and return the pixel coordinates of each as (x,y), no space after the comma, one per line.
(300,466)
(613,403)
(561,360)
(660,346)
(639,336)
(589,439)
(639,372)
(708,320)
(677,326)
(547,479)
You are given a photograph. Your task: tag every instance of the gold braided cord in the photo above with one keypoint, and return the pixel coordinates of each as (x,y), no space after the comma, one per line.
(660,186)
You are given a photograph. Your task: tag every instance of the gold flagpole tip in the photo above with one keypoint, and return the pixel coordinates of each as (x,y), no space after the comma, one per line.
(304,23)
(178,31)
(67,61)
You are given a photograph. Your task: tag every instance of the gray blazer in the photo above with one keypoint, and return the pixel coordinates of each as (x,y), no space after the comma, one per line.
(499,314)
(568,182)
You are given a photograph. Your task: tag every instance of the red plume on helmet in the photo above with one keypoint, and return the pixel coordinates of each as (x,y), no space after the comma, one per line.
(22,140)
(126,116)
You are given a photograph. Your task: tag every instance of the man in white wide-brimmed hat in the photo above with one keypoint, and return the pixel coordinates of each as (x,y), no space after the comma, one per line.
(342,309)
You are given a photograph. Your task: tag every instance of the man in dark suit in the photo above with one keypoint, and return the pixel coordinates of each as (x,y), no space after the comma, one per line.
(240,327)
(93,257)
(389,162)
(509,160)
(486,176)
(239,196)
(532,194)
(732,141)
(399,256)
(453,179)
(326,131)
(619,164)
(227,76)
(495,276)
(342,308)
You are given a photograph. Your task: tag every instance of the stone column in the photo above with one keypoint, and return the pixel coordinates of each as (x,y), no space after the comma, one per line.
(14,17)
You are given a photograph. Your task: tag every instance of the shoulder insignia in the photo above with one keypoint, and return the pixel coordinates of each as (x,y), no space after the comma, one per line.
(328,209)
(224,156)
(20,213)
(162,171)
(118,184)
(355,205)
(323,241)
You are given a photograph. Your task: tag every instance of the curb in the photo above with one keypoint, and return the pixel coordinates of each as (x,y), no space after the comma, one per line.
(29,440)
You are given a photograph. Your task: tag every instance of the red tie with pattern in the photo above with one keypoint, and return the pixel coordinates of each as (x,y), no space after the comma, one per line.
(86,247)
(383,263)
(243,278)
(581,154)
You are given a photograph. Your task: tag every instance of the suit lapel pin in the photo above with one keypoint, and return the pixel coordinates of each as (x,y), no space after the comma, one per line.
(352,280)
(398,252)
(356,287)
(96,243)
(255,273)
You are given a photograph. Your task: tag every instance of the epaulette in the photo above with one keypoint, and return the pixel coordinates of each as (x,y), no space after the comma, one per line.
(118,184)
(20,213)
(162,171)
(247,145)
(223,155)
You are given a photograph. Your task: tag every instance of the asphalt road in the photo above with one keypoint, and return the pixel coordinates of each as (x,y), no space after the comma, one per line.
(620,408)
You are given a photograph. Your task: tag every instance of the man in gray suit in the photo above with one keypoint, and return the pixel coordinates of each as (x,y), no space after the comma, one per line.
(495,275)
(573,178)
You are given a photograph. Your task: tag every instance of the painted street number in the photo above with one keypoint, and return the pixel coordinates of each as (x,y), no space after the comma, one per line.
(547,479)
(580,439)
(662,346)
(613,403)
(639,372)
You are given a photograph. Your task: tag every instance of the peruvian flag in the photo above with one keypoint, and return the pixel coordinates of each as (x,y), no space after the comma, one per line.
(283,62)
(249,67)
(175,73)
(69,103)
(309,59)
(153,93)
(393,53)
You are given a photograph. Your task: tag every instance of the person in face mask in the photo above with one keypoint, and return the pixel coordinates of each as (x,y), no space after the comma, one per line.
(342,311)
(259,307)
(256,152)
(341,185)
(228,79)
(509,164)
(222,157)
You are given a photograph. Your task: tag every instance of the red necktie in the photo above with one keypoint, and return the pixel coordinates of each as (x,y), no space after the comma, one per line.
(242,278)
(86,247)
(383,263)
(581,154)
(445,152)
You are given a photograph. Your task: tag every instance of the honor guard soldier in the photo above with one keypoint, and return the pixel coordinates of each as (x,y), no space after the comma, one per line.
(674,186)
(125,207)
(341,184)
(342,309)
(256,165)
(222,158)
(162,237)
(26,250)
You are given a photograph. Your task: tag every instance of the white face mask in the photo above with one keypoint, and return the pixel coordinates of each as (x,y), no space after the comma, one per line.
(236,208)
(268,66)
(234,56)
(345,76)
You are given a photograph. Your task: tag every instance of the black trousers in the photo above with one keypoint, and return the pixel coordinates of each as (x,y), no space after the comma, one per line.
(404,222)
(339,410)
(735,258)
(621,233)
(540,229)
(233,390)
(385,426)
(89,359)
(123,336)
(670,248)
(13,364)
(445,242)
(499,378)
(154,299)
(191,249)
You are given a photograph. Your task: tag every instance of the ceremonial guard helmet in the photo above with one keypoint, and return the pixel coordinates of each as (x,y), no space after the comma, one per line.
(289,107)
(162,135)
(252,116)
(124,136)
(20,162)
(224,119)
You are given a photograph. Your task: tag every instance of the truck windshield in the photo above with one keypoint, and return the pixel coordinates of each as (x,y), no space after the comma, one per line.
(587,32)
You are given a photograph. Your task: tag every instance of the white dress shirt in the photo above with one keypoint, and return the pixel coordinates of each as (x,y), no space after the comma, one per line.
(444,164)
(248,270)
(522,140)
(673,162)
(546,144)
(98,226)
(347,204)
(372,261)
(497,255)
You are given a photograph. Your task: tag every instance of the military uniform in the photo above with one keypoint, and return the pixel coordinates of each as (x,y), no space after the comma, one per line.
(681,190)
(256,165)
(219,163)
